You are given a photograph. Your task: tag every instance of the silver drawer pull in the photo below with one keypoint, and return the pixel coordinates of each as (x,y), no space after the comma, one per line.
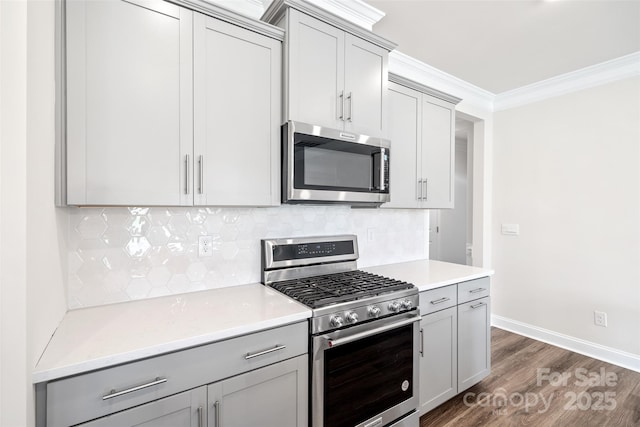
(475,291)
(262,353)
(480,304)
(114,393)
(440,301)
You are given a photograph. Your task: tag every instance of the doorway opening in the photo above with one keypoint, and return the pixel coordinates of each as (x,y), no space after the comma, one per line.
(451,230)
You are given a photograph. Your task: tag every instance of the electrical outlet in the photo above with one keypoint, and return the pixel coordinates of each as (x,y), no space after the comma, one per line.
(205,246)
(600,318)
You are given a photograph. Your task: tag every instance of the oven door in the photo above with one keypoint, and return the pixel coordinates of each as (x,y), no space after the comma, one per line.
(366,375)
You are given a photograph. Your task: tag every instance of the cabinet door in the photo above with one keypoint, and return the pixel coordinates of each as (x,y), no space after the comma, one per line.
(186,409)
(366,80)
(273,396)
(237,115)
(129,102)
(438,151)
(315,72)
(438,361)
(474,342)
(405,108)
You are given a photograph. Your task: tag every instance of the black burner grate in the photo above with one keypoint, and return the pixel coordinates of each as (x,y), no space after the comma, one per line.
(320,291)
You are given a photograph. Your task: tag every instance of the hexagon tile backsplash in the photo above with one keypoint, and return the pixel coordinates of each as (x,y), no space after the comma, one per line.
(122,254)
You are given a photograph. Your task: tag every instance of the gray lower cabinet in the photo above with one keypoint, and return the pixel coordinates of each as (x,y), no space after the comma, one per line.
(273,396)
(438,362)
(261,376)
(474,342)
(456,340)
(181,410)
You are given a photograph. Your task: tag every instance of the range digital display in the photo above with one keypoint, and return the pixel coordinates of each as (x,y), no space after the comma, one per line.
(312,250)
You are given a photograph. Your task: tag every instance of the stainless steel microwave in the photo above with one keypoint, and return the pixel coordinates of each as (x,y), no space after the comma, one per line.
(322,165)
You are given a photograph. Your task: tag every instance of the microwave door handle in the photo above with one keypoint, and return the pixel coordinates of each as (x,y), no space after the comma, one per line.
(383,168)
(379,185)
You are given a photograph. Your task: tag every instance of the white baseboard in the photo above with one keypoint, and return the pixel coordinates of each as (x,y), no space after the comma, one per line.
(587,348)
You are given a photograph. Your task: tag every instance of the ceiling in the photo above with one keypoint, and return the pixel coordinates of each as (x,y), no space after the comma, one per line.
(499,45)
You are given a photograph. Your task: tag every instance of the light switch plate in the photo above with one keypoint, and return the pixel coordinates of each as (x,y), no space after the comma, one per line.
(511,229)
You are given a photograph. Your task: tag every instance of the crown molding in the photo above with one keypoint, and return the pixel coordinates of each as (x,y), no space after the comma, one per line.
(251,8)
(240,16)
(412,69)
(424,89)
(356,11)
(585,78)
(279,8)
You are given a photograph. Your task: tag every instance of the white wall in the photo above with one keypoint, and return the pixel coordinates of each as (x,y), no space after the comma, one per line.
(31,268)
(567,170)
(13,136)
(46,226)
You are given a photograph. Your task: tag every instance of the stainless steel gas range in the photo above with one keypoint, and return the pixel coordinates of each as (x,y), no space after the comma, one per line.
(364,332)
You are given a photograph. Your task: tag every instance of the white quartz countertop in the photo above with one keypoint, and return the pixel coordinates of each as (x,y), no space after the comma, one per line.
(429,274)
(98,337)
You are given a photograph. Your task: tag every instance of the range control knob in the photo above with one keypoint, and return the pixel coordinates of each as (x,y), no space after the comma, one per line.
(406,304)
(336,321)
(394,306)
(352,317)
(374,311)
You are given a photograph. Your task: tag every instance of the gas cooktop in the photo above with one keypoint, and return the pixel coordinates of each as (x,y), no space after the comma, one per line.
(329,289)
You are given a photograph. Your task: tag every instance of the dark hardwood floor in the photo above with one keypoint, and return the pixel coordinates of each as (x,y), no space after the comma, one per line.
(537,384)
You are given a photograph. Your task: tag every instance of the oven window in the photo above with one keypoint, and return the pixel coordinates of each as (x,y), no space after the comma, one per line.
(327,164)
(366,377)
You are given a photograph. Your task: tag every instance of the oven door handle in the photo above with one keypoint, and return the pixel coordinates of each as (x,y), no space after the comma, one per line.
(332,343)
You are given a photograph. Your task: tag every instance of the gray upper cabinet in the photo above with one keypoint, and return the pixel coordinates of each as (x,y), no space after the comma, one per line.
(405,132)
(422,133)
(237,96)
(336,74)
(166,106)
(129,102)
(315,72)
(438,152)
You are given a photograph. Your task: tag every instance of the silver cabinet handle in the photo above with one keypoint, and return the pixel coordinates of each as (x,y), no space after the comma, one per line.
(419,189)
(421,342)
(216,408)
(341,96)
(350,98)
(475,291)
(262,353)
(440,301)
(480,304)
(426,189)
(200,414)
(186,174)
(114,393)
(201,174)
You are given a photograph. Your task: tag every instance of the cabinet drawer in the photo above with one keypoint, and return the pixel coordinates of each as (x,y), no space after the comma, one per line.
(84,397)
(473,289)
(437,299)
